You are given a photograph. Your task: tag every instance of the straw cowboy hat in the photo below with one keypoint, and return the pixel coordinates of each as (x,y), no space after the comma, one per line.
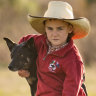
(62,11)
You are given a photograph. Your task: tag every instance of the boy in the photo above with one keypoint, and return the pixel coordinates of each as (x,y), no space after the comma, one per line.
(59,64)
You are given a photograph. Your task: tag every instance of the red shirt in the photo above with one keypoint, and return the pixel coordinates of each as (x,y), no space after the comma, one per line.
(59,73)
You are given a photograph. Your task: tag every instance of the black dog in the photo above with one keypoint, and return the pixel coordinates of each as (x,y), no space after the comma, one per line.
(24,57)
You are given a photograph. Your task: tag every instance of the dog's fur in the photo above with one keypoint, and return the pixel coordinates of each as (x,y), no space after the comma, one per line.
(24,57)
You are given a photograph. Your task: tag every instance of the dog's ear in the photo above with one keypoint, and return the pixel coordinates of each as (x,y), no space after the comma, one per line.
(30,43)
(10,44)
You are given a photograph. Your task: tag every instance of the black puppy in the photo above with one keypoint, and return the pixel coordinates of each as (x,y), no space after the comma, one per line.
(24,57)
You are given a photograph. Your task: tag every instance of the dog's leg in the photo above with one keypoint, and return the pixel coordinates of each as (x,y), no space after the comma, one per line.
(84,88)
(32,81)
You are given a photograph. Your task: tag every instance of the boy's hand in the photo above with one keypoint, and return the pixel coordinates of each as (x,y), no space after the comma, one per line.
(24,73)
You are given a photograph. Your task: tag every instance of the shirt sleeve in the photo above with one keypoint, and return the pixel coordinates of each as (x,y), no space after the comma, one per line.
(37,39)
(25,38)
(73,79)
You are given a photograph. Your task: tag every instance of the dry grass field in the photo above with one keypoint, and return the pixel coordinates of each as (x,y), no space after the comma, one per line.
(91,80)
(13,85)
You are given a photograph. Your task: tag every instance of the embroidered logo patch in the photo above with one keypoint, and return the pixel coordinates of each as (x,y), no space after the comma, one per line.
(53,65)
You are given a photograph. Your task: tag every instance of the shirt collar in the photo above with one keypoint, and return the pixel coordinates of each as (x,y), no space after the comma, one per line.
(54,48)
(62,51)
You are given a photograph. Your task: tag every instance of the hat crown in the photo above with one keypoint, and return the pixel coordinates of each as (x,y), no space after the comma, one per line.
(59,9)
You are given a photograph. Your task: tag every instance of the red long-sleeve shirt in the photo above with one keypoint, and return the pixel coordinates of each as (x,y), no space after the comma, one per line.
(59,73)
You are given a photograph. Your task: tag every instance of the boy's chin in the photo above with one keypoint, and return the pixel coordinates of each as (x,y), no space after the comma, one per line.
(56,44)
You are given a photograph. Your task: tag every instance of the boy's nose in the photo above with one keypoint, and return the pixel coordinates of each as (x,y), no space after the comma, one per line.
(55,33)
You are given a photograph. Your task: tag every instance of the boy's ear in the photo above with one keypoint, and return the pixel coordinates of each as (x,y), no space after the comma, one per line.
(10,44)
(70,28)
(30,43)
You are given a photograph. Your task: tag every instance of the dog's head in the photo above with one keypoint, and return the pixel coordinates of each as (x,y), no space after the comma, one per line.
(22,55)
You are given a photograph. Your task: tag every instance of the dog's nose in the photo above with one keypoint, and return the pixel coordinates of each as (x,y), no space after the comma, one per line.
(10,67)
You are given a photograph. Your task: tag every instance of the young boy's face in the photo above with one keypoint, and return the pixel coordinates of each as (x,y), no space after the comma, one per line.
(57,31)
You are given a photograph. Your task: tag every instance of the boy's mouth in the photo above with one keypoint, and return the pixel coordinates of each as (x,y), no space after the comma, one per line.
(55,39)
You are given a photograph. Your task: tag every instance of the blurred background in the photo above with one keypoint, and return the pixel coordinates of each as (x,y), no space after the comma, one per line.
(14,25)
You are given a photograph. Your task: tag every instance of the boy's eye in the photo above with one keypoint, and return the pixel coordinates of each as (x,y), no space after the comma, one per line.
(59,28)
(49,28)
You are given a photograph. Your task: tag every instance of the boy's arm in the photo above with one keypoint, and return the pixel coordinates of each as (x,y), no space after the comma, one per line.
(37,40)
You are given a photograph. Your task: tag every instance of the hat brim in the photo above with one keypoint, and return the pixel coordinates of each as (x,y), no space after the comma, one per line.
(81,26)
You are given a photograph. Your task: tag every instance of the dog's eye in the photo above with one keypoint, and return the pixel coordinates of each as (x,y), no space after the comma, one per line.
(21,55)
